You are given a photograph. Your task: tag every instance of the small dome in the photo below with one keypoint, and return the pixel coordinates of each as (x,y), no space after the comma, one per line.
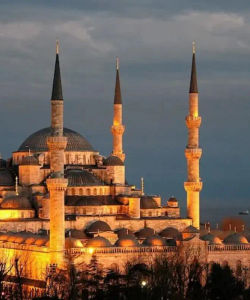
(154,240)
(38,141)
(148,202)
(16,202)
(78,177)
(127,241)
(171,233)
(172,199)
(30,161)
(77,234)
(235,238)
(98,242)
(121,232)
(72,243)
(5,177)
(190,229)
(144,233)
(211,239)
(172,202)
(98,226)
(113,161)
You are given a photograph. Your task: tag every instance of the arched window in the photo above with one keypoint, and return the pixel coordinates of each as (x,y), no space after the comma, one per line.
(80,192)
(95,191)
(88,192)
(73,192)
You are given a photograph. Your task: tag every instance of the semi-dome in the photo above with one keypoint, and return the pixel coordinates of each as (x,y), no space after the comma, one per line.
(16,202)
(212,239)
(97,226)
(144,233)
(77,177)
(235,238)
(148,202)
(5,177)
(98,242)
(154,240)
(127,241)
(29,161)
(113,161)
(38,141)
(171,233)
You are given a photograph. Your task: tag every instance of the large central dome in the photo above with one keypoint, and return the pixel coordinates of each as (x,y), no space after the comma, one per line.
(38,141)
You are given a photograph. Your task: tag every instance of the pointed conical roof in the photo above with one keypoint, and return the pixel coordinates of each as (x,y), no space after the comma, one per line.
(118,96)
(193,81)
(57,85)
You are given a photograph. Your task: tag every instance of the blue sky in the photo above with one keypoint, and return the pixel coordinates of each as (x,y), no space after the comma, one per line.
(154,42)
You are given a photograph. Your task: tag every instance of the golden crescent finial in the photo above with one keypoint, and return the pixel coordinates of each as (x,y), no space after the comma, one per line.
(193,47)
(117,63)
(57,46)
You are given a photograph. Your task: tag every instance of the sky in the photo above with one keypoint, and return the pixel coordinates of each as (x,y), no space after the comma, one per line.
(153,40)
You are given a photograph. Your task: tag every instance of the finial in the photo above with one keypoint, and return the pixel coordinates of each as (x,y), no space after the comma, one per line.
(17,186)
(142,185)
(193,47)
(117,63)
(57,46)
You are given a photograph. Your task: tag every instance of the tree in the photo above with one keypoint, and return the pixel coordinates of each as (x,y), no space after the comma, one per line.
(221,284)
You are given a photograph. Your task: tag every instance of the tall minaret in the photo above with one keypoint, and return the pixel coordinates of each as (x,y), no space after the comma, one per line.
(57,184)
(117,128)
(193,185)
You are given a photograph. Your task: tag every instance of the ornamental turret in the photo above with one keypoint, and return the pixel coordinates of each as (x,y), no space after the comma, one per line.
(57,184)
(118,128)
(193,152)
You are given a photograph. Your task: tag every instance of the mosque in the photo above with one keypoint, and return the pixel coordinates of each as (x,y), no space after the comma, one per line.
(60,197)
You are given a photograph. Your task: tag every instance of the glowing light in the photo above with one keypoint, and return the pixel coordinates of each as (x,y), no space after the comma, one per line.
(91,250)
(9,214)
(143,283)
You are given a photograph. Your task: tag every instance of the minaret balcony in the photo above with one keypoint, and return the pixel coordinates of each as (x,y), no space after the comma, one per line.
(193,153)
(59,184)
(193,186)
(118,129)
(193,122)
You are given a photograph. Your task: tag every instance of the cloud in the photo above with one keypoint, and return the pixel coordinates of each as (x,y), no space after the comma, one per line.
(81,31)
(20,30)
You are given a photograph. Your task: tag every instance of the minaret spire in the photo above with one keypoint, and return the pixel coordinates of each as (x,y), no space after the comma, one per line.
(193,152)
(118,96)
(193,80)
(118,128)
(57,84)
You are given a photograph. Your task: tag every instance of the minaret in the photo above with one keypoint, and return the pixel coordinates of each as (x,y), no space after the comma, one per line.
(117,128)
(57,184)
(193,185)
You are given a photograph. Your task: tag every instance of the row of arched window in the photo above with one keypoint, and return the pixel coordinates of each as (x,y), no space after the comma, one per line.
(95,191)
